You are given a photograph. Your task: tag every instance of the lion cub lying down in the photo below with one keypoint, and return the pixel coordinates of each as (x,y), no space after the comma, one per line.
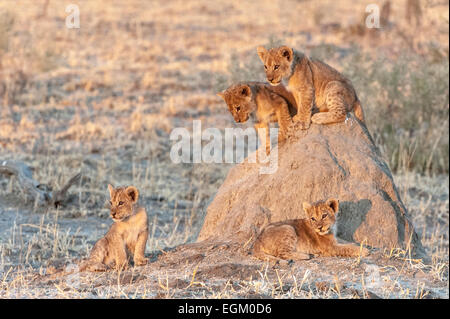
(270,104)
(297,238)
(127,236)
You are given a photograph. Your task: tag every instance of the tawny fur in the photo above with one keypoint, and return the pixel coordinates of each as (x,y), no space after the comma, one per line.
(314,85)
(269,104)
(296,239)
(127,236)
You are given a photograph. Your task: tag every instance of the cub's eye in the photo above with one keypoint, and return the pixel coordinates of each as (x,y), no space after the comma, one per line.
(238,108)
(324,215)
(121,203)
(265,67)
(276,67)
(313,219)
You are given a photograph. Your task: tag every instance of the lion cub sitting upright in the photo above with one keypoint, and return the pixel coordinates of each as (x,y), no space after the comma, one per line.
(127,236)
(313,84)
(270,105)
(297,238)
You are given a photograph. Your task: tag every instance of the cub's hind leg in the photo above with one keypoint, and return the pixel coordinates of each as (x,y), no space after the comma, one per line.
(97,257)
(265,257)
(296,255)
(286,244)
(336,104)
(280,242)
(348,250)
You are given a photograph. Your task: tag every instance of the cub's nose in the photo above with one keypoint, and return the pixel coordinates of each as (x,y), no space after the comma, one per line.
(270,79)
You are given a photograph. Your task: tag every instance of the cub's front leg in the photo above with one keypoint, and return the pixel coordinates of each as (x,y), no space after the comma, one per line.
(119,252)
(263,132)
(302,89)
(284,121)
(139,250)
(304,99)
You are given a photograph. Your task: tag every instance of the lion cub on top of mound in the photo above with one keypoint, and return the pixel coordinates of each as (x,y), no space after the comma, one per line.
(270,105)
(127,236)
(313,83)
(297,238)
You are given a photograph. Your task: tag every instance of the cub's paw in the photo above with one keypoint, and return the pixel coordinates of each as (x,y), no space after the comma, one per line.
(94,267)
(301,123)
(123,266)
(284,262)
(282,139)
(290,132)
(141,262)
(296,118)
(317,118)
(365,252)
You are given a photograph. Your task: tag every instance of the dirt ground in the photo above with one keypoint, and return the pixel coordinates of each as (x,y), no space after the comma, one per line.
(103,99)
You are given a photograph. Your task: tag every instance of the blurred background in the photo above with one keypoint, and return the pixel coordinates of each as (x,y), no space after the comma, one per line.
(103,98)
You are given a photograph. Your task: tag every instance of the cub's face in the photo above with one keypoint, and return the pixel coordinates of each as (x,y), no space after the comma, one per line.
(239,101)
(277,63)
(122,201)
(322,215)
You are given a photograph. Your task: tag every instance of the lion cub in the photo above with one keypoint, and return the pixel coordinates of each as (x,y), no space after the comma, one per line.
(127,236)
(297,238)
(270,105)
(313,84)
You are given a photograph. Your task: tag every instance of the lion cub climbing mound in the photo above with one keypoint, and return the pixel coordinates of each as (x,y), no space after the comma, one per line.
(270,105)
(313,84)
(127,236)
(297,238)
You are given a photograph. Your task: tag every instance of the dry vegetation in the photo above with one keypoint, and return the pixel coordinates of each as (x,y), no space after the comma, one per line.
(102,100)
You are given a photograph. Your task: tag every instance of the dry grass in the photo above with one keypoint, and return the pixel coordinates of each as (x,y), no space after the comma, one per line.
(103,99)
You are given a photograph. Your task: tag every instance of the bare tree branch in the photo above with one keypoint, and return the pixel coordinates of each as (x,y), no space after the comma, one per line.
(34,189)
(60,195)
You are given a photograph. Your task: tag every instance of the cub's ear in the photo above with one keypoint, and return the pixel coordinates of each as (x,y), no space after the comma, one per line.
(133,193)
(111,190)
(221,94)
(334,204)
(306,207)
(245,90)
(262,53)
(286,52)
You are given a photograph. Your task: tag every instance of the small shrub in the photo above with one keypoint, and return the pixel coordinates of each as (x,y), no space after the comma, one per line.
(406,102)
